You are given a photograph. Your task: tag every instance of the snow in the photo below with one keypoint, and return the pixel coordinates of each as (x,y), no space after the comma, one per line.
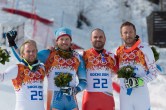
(107,15)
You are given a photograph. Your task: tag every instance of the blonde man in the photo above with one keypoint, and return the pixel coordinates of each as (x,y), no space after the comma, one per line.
(27,78)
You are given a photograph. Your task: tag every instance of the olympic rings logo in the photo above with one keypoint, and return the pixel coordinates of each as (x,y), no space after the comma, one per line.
(63,61)
(32,74)
(98,60)
(130,56)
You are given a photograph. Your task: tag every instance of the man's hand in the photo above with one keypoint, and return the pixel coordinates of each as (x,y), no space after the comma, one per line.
(51,48)
(11,35)
(68,90)
(133,82)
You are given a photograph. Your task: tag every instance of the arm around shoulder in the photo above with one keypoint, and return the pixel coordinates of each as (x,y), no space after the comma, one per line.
(43,55)
(81,76)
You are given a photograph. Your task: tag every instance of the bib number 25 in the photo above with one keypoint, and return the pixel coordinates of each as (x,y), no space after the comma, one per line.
(100,83)
(36,95)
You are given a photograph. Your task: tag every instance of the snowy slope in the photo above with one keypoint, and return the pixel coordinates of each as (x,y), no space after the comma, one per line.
(107,15)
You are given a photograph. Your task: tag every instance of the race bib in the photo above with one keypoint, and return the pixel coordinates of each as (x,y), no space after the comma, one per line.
(99,81)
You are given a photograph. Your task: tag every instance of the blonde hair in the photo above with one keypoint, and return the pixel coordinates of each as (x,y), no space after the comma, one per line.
(32,42)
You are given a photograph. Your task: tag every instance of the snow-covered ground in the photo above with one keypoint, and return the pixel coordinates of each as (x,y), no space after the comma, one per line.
(107,15)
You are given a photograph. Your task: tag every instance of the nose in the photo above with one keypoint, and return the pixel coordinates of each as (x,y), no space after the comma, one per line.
(64,41)
(31,52)
(98,38)
(127,34)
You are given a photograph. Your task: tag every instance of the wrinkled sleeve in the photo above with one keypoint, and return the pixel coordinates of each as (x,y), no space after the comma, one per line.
(10,73)
(50,79)
(152,71)
(81,76)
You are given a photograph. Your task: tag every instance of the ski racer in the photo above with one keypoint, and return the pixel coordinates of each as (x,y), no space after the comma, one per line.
(27,78)
(134,93)
(100,67)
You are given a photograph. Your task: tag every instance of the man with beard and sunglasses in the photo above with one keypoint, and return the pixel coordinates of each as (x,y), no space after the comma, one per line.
(27,78)
(100,67)
(62,59)
(134,93)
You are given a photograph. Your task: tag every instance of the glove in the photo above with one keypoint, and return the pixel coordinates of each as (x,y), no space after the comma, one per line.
(11,35)
(133,82)
(68,90)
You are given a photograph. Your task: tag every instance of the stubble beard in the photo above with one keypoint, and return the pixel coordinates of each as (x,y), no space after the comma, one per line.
(99,46)
(129,42)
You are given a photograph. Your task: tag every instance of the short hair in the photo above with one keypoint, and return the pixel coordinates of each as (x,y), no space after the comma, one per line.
(97,29)
(27,42)
(127,23)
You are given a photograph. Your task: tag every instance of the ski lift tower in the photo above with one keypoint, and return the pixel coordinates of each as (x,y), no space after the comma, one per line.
(163,5)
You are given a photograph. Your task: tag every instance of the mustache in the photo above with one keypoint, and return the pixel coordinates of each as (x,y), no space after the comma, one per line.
(99,41)
(65,44)
(130,38)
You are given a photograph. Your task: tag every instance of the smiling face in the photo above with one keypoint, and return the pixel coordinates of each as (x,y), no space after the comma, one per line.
(64,42)
(98,39)
(128,35)
(29,53)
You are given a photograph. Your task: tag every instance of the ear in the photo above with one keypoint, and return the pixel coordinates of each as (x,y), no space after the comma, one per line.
(105,38)
(91,38)
(22,56)
(121,36)
(56,42)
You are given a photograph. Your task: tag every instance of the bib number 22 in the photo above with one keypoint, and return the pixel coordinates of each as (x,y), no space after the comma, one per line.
(100,83)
